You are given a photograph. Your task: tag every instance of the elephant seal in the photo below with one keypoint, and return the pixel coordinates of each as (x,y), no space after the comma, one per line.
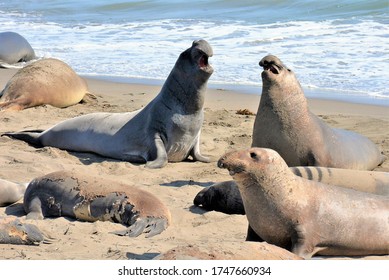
(285,124)
(13,231)
(46,81)
(304,216)
(89,198)
(167,129)
(225,197)
(10,192)
(14,48)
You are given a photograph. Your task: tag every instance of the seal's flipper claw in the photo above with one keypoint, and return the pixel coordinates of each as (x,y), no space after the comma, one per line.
(156,226)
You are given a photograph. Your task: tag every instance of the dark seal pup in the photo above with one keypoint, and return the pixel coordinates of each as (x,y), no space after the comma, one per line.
(90,198)
(167,129)
(14,48)
(305,216)
(284,123)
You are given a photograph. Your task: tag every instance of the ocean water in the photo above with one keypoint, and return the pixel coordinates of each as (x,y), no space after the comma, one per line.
(338,49)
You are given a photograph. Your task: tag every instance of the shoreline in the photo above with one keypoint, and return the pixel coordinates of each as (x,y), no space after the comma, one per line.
(310,93)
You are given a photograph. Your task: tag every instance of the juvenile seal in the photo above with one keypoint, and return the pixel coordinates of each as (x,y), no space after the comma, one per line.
(13,231)
(88,198)
(167,129)
(305,216)
(14,48)
(10,192)
(46,81)
(225,196)
(284,123)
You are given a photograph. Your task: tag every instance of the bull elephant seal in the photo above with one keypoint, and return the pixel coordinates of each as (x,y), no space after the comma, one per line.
(13,231)
(88,198)
(46,81)
(10,192)
(225,196)
(285,124)
(167,129)
(14,48)
(305,216)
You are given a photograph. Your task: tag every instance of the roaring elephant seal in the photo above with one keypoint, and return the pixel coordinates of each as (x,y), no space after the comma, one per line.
(285,124)
(225,196)
(10,192)
(14,48)
(90,198)
(13,231)
(46,81)
(305,216)
(167,129)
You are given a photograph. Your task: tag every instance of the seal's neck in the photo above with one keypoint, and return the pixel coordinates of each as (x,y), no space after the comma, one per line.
(185,90)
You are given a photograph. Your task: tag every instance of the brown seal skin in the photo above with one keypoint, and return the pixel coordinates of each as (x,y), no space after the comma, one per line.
(285,124)
(10,192)
(46,81)
(90,198)
(304,216)
(225,196)
(13,231)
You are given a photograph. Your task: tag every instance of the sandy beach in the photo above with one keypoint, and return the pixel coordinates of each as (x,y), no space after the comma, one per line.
(176,184)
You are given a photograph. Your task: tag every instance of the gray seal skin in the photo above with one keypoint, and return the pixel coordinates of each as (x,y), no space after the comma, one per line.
(304,216)
(14,48)
(13,231)
(10,192)
(87,198)
(225,196)
(46,81)
(285,124)
(167,129)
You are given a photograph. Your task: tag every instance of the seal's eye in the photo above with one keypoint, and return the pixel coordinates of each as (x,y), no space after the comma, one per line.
(253,155)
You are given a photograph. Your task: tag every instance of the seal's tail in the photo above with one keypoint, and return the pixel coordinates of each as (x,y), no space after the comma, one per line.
(29,136)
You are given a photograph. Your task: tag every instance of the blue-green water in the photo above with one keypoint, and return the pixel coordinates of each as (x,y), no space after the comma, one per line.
(337,48)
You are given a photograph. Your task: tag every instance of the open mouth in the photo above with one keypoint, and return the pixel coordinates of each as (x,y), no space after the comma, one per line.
(203,61)
(233,170)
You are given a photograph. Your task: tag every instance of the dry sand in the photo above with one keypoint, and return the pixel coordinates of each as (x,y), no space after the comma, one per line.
(176,184)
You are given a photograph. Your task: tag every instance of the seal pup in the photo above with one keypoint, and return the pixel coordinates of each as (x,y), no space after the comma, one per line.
(14,48)
(284,123)
(89,198)
(305,216)
(167,129)
(225,197)
(46,81)
(13,231)
(10,192)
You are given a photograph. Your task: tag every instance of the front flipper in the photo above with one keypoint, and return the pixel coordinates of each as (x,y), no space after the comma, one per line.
(150,226)
(195,152)
(161,159)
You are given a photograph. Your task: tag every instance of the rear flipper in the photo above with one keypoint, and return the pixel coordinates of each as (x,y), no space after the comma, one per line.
(150,226)
(29,136)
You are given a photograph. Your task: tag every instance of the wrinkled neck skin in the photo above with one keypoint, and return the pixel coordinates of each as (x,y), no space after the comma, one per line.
(186,86)
(282,95)
(273,183)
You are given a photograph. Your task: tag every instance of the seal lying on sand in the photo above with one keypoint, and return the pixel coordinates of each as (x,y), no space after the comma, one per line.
(285,124)
(305,216)
(14,48)
(89,198)
(47,81)
(10,192)
(225,196)
(167,129)
(13,231)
